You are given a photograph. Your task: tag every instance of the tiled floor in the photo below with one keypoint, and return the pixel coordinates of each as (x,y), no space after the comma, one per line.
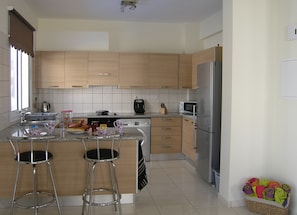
(174,189)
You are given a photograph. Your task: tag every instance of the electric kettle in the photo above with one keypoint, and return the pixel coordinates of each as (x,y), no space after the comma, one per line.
(45,107)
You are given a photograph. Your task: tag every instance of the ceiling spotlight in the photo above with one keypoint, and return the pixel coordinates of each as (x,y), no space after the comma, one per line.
(131,5)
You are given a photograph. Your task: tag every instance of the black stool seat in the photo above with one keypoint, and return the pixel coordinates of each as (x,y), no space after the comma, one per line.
(103,155)
(38,157)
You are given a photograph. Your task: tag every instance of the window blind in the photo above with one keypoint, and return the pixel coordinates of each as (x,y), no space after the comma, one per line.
(21,33)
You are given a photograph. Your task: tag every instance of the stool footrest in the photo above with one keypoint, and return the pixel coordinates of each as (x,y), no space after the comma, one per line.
(43,199)
(86,196)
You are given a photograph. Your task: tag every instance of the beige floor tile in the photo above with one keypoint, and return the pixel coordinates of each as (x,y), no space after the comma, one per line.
(174,189)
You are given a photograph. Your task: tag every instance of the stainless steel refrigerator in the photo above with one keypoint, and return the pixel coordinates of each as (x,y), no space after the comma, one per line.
(209,96)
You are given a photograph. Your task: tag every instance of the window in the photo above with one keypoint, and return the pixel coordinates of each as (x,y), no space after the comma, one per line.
(20,79)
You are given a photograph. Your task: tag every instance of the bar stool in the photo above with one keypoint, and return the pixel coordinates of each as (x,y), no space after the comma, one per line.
(100,150)
(33,151)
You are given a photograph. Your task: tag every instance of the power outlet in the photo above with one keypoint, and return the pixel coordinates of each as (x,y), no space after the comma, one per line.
(292,32)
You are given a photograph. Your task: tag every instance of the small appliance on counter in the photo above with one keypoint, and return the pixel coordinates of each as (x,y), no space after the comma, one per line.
(102,112)
(46,107)
(188,107)
(139,106)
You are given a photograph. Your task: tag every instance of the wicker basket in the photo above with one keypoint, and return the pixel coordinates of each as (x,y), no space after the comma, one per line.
(266,207)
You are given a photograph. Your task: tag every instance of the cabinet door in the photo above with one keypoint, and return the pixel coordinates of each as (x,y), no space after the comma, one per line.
(188,139)
(51,68)
(134,70)
(185,71)
(163,70)
(204,56)
(103,68)
(76,69)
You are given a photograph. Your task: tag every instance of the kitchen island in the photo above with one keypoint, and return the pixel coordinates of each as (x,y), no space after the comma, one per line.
(69,167)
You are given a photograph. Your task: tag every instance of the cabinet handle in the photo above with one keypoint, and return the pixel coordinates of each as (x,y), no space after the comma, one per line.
(166,146)
(76,86)
(164,87)
(104,74)
(165,129)
(54,86)
(166,119)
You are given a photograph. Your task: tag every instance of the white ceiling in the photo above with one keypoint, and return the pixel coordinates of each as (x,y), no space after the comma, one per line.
(172,11)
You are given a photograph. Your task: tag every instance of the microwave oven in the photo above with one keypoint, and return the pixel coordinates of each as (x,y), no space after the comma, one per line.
(188,107)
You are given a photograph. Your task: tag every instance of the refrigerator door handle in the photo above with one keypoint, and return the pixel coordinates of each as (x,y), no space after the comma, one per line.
(194,143)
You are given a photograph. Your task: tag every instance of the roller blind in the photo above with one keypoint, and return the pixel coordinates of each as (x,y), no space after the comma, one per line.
(21,33)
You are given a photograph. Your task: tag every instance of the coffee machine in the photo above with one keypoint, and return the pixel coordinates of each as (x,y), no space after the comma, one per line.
(139,106)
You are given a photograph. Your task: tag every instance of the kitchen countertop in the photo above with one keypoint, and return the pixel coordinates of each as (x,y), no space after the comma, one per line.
(131,115)
(6,133)
(129,133)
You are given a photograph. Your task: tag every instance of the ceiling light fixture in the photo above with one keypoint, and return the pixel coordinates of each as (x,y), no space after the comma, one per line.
(131,4)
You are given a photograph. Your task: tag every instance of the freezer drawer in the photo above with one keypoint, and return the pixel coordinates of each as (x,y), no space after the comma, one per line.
(204,152)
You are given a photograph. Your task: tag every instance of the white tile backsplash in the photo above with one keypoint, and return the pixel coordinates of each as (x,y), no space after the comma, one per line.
(111,98)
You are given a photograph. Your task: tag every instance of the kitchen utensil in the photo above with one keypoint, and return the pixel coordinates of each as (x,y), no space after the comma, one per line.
(45,107)
(139,106)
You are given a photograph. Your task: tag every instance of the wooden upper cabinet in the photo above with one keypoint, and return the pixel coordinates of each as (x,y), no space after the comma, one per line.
(50,69)
(163,70)
(76,69)
(204,56)
(185,71)
(103,68)
(134,70)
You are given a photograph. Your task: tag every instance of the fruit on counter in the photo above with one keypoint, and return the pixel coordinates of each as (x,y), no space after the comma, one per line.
(76,124)
(75,129)
(79,125)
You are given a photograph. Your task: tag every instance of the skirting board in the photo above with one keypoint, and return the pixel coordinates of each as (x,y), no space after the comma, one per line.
(75,200)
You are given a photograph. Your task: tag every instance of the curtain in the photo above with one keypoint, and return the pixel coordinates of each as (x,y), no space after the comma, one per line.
(21,33)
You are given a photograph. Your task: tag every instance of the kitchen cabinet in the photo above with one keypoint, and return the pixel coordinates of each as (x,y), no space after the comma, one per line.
(189,139)
(69,169)
(103,68)
(204,56)
(134,70)
(163,70)
(50,69)
(185,71)
(165,135)
(76,69)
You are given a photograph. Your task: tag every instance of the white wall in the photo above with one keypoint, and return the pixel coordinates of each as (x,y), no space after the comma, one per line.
(122,36)
(211,30)
(259,127)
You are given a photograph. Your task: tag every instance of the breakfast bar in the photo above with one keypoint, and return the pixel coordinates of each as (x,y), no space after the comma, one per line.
(69,166)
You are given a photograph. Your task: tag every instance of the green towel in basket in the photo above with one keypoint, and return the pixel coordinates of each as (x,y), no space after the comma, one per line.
(280,196)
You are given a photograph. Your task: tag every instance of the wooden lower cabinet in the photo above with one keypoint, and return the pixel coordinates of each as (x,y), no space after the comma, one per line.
(189,139)
(165,135)
(69,169)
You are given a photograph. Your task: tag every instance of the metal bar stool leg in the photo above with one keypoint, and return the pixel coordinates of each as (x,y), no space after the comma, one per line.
(91,200)
(113,188)
(54,187)
(14,189)
(117,188)
(86,188)
(35,208)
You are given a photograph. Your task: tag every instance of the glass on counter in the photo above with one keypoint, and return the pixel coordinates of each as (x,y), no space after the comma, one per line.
(66,118)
